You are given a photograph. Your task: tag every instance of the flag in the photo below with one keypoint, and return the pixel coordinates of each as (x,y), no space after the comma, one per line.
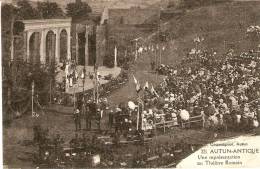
(154,92)
(146,86)
(137,85)
(135,79)
(104,16)
(82,75)
(71,82)
(197,39)
(164,83)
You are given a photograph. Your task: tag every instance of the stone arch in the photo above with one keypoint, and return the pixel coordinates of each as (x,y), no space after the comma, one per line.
(63,45)
(50,47)
(34,47)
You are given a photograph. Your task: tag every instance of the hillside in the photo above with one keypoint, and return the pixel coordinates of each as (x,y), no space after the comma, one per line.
(98,5)
(223,26)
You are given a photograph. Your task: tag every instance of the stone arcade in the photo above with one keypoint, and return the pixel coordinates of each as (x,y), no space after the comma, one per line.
(44,38)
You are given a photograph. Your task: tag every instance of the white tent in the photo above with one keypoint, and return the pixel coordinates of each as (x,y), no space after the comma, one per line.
(243,151)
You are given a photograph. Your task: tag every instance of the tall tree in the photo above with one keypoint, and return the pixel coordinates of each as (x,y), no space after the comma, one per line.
(6,17)
(78,10)
(26,11)
(48,10)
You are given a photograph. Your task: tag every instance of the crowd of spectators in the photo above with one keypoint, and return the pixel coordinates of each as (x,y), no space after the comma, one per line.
(226,90)
(223,90)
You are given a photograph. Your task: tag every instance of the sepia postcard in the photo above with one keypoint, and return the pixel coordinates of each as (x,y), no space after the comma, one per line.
(130,83)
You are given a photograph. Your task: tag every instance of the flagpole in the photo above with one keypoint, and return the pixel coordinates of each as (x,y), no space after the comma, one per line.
(125,53)
(32,98)
(160,51)
(138,114)
(159,23)
(97,90)
(115,53)
(136,49)
(96,85)
(84,77)
(74,96)
(94,89)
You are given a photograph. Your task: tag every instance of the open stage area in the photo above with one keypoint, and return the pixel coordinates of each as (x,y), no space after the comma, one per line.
(89,84)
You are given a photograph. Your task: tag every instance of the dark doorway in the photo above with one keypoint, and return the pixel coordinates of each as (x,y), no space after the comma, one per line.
(92,49)
(34,48)
(63,45)
(81,51)
(50,47)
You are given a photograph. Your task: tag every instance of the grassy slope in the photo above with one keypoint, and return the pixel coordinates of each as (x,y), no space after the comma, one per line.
(219,23)
(223,22)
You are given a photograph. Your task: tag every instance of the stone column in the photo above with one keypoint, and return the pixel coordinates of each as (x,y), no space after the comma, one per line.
(57,46)
(43,47)
(68,44)
(86,46)
(25,45)
(77,48)
(29,33)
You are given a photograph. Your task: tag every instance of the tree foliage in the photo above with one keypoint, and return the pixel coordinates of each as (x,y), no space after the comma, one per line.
(7,13)
(78,10)
(17,71)
(48,10)
(22,11)
(26,11)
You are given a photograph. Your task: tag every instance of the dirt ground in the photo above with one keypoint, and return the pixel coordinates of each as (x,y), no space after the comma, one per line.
(18,137)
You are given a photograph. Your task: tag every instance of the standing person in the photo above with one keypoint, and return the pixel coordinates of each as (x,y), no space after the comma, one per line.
(153,65)
(111,118)
(88,117)
(58,141)
(117,119)
(75,142)
(77,119)
(82,106)
(99,116)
